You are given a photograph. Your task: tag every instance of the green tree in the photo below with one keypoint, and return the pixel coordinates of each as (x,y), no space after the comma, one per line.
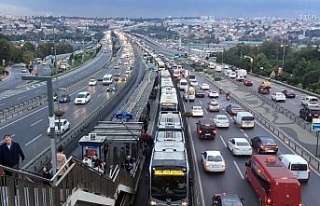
(262,65)
(28,57)
(28,46)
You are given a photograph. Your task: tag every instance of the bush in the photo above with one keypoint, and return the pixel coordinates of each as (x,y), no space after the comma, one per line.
(187,114)
(210,72)
(198,69)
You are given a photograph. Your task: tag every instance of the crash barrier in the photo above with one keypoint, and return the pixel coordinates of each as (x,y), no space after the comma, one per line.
(44,157)
(280,134)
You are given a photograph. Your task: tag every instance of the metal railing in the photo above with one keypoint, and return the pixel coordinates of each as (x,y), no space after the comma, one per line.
(291,143)
(23,188)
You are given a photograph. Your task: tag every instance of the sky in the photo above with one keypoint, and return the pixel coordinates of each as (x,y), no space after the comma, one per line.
(160,8)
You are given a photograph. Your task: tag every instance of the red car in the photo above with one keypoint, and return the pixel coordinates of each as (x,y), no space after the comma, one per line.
(289,94)
(247,82)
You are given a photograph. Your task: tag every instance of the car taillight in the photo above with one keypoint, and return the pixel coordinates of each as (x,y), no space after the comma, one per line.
(200,131)
(214,131)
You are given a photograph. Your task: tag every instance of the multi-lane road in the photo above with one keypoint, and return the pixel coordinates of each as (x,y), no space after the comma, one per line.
(16,96)
(233,180)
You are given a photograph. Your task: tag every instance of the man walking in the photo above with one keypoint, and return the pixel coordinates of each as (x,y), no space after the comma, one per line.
(10,153)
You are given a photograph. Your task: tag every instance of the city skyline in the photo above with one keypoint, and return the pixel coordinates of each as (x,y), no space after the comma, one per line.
(147,8)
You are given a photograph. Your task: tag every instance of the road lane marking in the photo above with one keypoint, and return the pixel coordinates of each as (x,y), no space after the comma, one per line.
(200,102)
(241,130)
(245,134)
(235,164)
(36,122)
(197,170)
(21,97)
(77,110)
(38,91)
(99,95)
(205,111)
(25,116)
(225,144)
(40,135)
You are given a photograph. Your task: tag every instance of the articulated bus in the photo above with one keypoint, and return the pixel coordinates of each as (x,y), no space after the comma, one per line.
(274,184)
(169,174)
(169,102)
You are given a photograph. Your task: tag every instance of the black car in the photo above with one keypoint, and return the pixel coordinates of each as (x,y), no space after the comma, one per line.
(200,94)
(289,94)
(206,129)
(308,113)
(111,88)
(226,200)
(233,109)
(64,98)
(264,144)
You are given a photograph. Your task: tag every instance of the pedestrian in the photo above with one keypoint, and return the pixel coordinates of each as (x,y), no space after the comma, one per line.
(10,154)
(97,163)
(105,151)
(87,161)
(61,160)
(145,125)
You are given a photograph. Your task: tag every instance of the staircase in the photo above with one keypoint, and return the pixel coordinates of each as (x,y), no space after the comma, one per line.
(79,184)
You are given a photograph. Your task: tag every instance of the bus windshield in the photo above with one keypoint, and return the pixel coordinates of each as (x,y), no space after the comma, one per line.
(173,187)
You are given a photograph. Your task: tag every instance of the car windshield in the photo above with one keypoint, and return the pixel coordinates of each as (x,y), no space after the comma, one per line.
(222,118)
(214,158)
(231,201)
(315,111)
(313,100)
(243,144)
(92,80)
(214,103)
(81,95)
(197,108)
(63,96)
(267,141)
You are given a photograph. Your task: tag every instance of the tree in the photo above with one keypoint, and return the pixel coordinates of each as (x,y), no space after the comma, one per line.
(262,65)
(28,46)
(28,57)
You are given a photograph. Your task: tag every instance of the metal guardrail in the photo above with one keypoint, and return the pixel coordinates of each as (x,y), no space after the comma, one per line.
(291,143)
(45,156)
(13,111)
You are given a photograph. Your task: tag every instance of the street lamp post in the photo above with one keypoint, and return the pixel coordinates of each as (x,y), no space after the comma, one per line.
(222,55)
(51,117)
(283,54)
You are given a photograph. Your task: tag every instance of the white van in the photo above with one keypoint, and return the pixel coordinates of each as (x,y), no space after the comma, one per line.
(297,165)
(183,84)
(107,79)
(244,120)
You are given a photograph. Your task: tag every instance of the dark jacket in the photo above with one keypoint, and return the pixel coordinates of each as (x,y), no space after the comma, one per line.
(10,157)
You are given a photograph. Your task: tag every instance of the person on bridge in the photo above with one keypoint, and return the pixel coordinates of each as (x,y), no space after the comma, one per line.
(10,154)
(61,160)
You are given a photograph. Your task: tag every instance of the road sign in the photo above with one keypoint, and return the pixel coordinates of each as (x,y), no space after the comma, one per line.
(124,115)
(315,126)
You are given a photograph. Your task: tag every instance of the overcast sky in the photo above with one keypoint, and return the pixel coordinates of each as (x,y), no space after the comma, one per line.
(160,8)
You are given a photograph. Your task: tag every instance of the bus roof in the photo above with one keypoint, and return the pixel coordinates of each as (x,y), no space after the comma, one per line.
(169,153)
(272,168)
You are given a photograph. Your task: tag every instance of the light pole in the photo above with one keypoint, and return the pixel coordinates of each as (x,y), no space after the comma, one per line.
(51,117)
(283,54)
(222,55)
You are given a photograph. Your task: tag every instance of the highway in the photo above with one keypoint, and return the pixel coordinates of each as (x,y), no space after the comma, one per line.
(36,122)
(232,181)
(14,97)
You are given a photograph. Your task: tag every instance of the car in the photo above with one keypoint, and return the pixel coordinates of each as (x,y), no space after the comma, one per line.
(63,98)
(194,83)
(308,113)
(117,77)
(239,146)
(213,106)
(82,98)
(24,71)
(224,199)
(278,96)
(111,87)
(123,78)
(204,86)
(310,101)
(128,71)
(264,144)
(289,94)
(212,161)
(64,126)
(221,120)
(199,93)
(233,109)
(239,78)
(92,82)
(206,129)
(247,82)
(213,94)
(197,111)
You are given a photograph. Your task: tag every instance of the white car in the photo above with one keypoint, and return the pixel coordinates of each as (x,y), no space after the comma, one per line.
(92,82)
(310,101)
(239,146)
(278,96)
(213,161)
(213,94)
(197,111)
(213,106)
(204,86)
(82,98)
(64,126)
(194,83)
(221,120)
